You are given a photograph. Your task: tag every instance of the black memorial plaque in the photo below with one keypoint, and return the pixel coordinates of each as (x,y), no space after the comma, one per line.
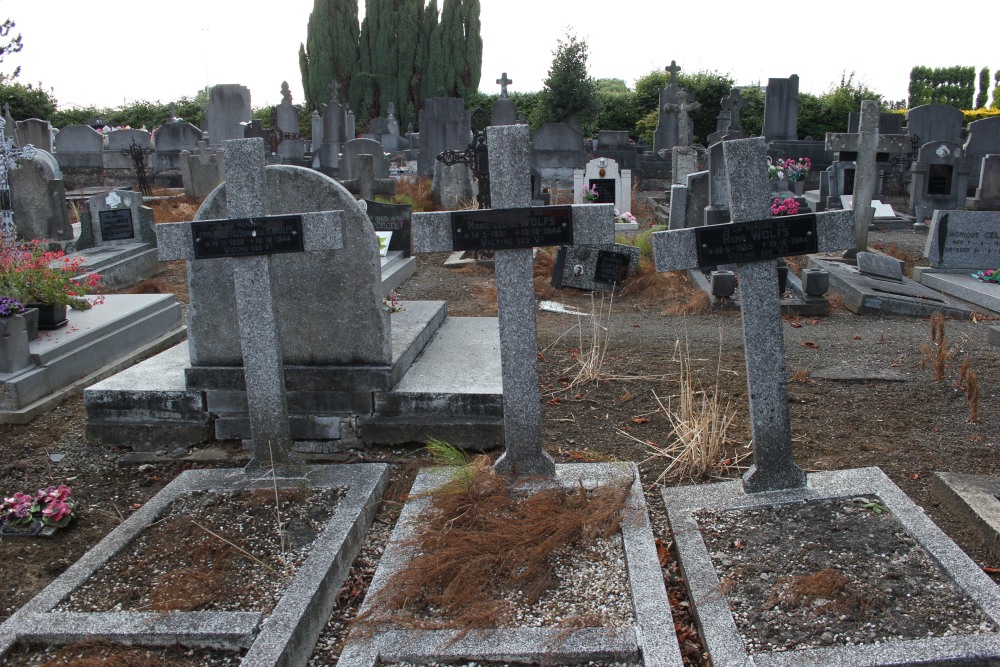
(506,229)
(605,190)
(116,224)
(612,267)
(393,218)
(741,242)
(243,237)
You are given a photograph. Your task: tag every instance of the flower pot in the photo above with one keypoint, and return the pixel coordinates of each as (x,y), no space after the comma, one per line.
(50,316)
(800,187)
(13,344)
(30,316)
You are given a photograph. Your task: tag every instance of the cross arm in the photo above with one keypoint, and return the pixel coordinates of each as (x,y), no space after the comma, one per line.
(677,249)
(321,231)
(593,224)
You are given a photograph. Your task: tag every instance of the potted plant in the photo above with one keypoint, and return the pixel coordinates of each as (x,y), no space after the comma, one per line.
(51,507)
(44,279)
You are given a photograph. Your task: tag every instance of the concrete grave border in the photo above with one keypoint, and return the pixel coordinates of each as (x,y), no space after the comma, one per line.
(718,628)
(286,637)
(975,499)
(652,640)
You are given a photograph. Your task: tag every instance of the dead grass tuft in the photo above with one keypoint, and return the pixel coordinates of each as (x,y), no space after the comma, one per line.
(674,289)
(835,301)
(972,396)
(175,209)
(484,548)
(800,375)
(841,596)
(487,296)
(701,423)
(544,261)
(414,191)
(937,326)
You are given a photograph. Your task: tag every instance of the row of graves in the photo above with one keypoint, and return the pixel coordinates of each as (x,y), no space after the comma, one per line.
(291,256)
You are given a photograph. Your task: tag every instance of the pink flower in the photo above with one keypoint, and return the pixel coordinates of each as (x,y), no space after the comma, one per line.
(56,511)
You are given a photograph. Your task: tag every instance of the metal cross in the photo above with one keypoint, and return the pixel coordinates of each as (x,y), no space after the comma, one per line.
(476,155)
(138,156)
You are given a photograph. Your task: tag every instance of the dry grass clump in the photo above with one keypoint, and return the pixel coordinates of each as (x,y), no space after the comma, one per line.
(482,547)
(674,289)
(414,191)
(175,209)
(100,653)
(805,591)
(800,376)
(701,423)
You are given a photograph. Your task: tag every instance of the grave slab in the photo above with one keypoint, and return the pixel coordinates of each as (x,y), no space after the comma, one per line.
(722,637)
(95,344)
(975,499)
(650,641)
(867,295)
(285,637)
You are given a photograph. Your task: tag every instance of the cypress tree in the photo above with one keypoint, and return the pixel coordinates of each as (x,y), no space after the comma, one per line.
(330,51)
(568,90)
(984,88)
(436,70)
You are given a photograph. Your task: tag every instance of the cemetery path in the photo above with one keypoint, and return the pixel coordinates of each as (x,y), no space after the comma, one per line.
(862,393)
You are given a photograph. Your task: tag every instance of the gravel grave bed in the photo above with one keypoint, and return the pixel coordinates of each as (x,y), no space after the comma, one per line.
(212,550)
(592,663)
(831,572)
(108,653)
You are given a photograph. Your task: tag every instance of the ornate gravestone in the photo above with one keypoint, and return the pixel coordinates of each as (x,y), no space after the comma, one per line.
(138,156)
(665,137)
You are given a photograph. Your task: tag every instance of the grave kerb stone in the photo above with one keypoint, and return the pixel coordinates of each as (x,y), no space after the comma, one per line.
(750,200)
(252,277)
(593,224)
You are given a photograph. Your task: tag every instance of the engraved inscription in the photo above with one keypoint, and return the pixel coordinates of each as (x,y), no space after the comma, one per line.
(612,267)
(500,229)
(756,240)
(243,237)
(116,225)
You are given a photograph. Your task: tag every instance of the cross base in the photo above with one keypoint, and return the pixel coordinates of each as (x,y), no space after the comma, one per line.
(784,478)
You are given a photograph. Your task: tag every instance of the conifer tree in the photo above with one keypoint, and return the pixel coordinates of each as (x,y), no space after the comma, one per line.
(569,91)
(330,51)
(984,88)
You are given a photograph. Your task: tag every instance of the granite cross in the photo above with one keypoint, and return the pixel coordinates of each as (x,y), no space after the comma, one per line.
(752,241)
(503,82)
(867,143)
(683,122)
(365,184)
(673,69)
(247,240)
(513,233)
(734,103)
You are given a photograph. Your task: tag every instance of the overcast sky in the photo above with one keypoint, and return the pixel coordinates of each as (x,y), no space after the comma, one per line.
(93,54)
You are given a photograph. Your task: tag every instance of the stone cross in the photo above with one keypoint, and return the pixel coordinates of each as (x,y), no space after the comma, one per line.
(248,240)
(365,185)
(753,246)
(867,144)
(683,122)
(335,92)
(514,233)
(503,82)
(8,160)
(673,69)
(734,103)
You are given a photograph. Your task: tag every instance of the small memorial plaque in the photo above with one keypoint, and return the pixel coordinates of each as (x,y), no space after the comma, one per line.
(605,190)
(116,224)
(500,229)
(242,237)
(393,218)
(741,242)
(612,267)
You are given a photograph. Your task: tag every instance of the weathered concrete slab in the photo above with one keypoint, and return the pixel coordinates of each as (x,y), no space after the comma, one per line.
(719,630)
(286,637)
(975,499)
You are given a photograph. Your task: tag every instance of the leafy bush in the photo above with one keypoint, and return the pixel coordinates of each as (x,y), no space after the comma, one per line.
(27,101)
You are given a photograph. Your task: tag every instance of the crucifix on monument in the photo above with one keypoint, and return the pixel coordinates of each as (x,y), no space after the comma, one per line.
(247,240)
(682,107)
(753,241)
(867,143)
(8,160)
(513,228)
(476,155)
(138,155)
(734,102)
(503,82)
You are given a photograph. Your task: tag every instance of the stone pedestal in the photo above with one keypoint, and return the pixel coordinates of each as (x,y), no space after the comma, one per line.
(13,344)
